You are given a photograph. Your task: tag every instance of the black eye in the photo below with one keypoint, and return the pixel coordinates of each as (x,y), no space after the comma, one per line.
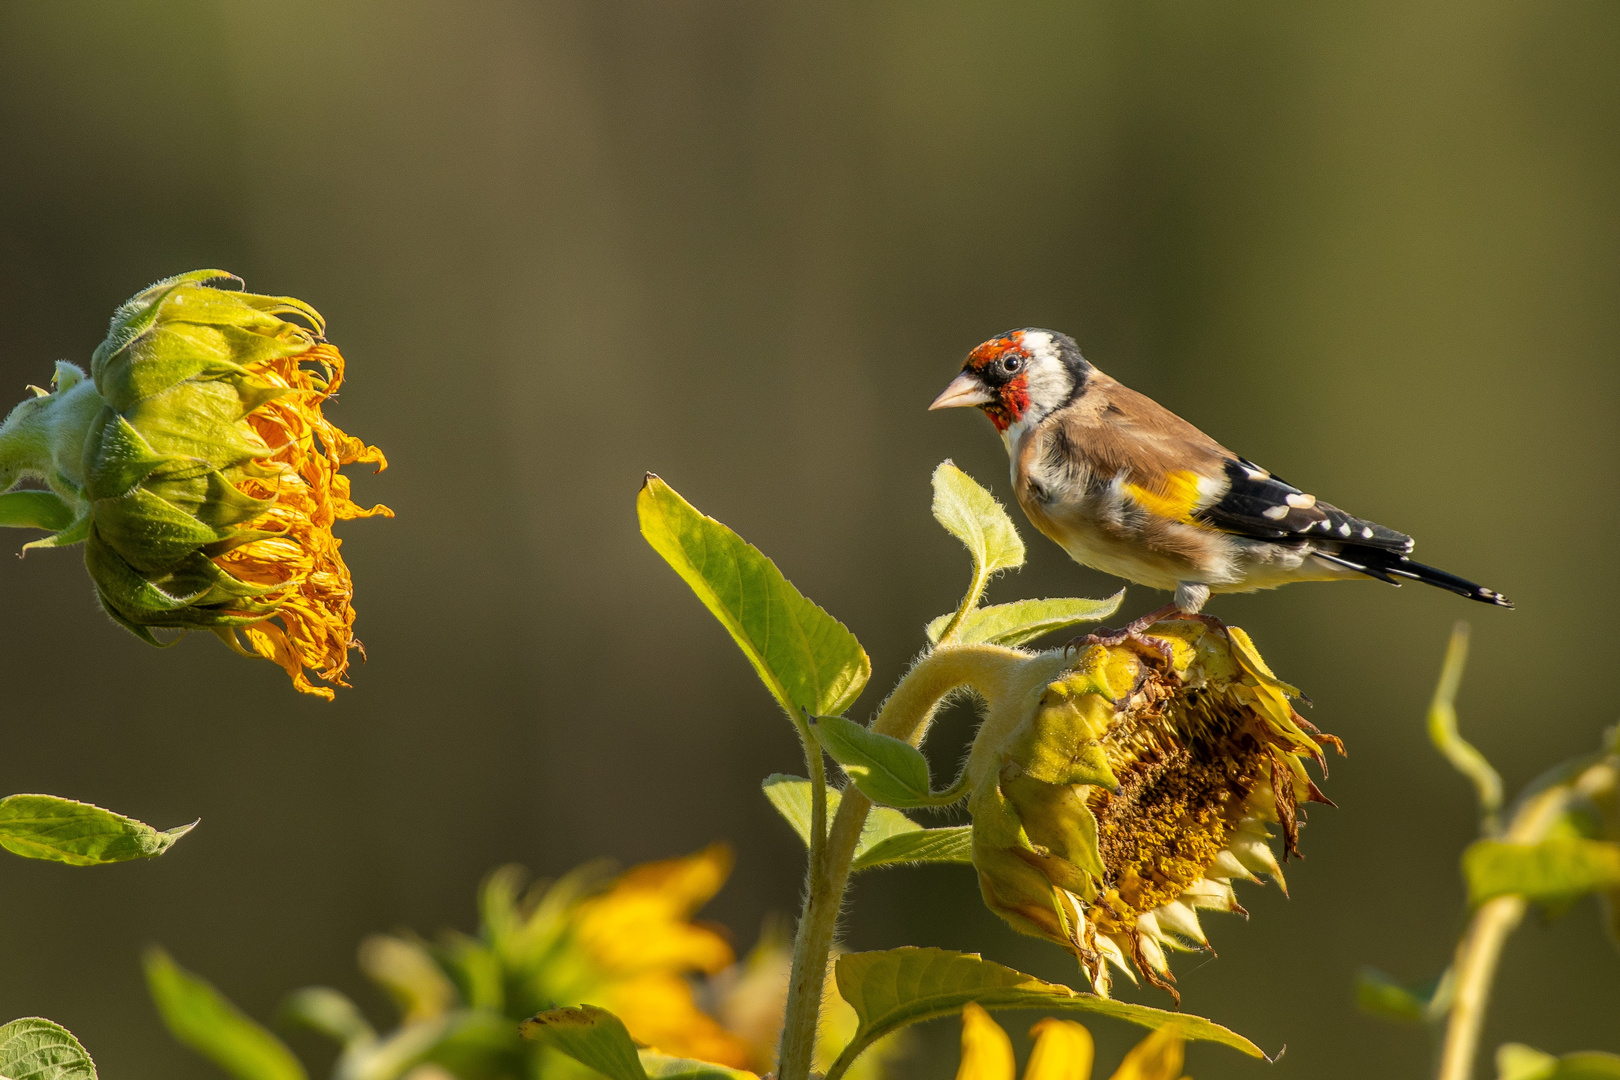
(1011,364)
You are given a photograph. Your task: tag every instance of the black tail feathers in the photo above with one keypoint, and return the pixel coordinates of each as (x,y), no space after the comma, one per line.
(1388,566)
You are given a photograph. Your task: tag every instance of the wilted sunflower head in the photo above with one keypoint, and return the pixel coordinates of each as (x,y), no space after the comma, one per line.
(197,468)
(1135,790)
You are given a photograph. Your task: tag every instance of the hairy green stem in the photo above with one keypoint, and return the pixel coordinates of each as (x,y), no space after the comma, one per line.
(905,715)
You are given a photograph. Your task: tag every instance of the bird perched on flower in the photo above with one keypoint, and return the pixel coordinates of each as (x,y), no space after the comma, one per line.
(1126,486)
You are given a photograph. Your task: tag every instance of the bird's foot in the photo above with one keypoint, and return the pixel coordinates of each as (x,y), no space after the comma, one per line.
(1131,633)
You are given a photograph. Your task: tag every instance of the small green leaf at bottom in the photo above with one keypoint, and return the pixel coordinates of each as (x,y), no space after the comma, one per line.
(1515,1061)
(596,1038)
(591,1036)
(35,1048)
(203,1019)
(896,987)
(77,833)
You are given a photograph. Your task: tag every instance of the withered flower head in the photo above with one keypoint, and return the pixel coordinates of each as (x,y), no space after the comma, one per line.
(197,468)
(1135,791)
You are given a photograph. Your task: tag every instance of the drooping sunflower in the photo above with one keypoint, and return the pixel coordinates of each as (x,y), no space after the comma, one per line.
(1135,790)
(197,468)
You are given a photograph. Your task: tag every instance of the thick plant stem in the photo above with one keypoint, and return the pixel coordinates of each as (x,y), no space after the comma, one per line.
(1477,955)
(905,715)
(1481,947)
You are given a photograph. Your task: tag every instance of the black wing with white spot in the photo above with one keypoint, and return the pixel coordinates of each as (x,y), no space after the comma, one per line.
(1261,506)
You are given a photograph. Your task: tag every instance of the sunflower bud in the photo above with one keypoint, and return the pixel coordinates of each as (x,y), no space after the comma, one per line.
(196,467)
(1135,791)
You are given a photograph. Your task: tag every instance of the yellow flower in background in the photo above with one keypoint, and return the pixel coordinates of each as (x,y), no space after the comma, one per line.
(626,944)
(198,470)
(640,937)
(1063,1051)
(1135,791)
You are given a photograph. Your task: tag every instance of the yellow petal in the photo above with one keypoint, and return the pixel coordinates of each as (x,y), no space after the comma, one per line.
(987,1053)
(1157,1057)
(1063,1051)
(642,922)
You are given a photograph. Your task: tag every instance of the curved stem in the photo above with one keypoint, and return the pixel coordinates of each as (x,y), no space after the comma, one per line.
(1475,969)
(1481,947)
(905,715)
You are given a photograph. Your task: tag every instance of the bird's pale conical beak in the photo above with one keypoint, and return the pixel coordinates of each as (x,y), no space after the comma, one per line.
(965,389)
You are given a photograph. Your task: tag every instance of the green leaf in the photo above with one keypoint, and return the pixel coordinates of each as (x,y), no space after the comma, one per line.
(1515,1061)
(952,845)
(972,515)
(806,658)
(76,833)
(891,989)
(199,1016)
(661,1067)
(329,1012)
(1024,621)
(591,1036)
(1462,754)
(887,770)
(879,844)
(35,510)
(34,1048)
(1379,995)
(1558,869)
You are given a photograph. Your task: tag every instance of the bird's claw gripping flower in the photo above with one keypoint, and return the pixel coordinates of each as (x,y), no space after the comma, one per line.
(196,466)
(1133,790)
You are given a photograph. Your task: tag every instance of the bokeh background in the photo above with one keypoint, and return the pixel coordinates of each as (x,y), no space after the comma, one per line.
(1375,247)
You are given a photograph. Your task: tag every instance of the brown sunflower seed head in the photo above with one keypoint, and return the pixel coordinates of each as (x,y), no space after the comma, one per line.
(1135,790)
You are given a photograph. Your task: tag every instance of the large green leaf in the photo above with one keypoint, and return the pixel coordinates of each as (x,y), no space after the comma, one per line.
(1024,621)
(807,659)
(1515,1061)
(951,845)
(34,1048)
(891,989)
(1558,869)
(76,833)
(889,837)
(889,771)
(202,1018)
(596,1038)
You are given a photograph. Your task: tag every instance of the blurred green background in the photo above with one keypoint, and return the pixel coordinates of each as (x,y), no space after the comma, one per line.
(1375,247)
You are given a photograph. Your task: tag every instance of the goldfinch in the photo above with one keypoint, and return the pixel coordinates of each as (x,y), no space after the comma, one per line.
(1126,486)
